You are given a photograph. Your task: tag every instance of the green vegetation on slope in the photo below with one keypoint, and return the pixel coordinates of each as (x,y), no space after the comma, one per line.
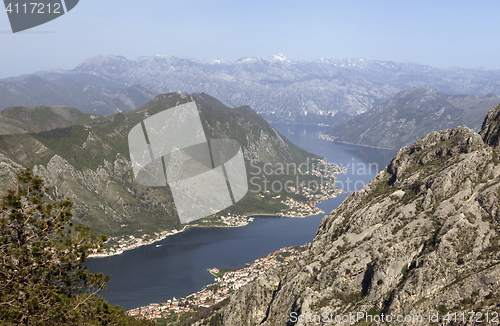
(42,277)
(90,164)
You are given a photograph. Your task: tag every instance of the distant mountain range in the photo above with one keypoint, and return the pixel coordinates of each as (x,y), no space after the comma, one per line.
(410,115)
(322,91)
(86,94)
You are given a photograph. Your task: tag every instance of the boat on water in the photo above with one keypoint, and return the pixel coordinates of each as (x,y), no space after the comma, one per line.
(158,246)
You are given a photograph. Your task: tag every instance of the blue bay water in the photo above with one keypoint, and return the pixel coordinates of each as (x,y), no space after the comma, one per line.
(178,266)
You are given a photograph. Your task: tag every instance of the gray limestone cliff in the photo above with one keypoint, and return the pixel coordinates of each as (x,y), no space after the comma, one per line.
(423,237)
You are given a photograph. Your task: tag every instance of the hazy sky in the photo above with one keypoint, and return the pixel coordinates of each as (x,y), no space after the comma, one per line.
(437,33)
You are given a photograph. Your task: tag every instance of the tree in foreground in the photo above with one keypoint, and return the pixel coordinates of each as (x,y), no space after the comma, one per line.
(42,277)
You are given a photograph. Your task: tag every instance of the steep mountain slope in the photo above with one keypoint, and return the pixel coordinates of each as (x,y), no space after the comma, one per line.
(280,89)
(33,119)
(90,164)
(422,238)
(410,115)
(89,95)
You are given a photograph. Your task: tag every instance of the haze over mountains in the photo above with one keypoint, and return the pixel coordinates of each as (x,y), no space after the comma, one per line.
(85,93)
(33,119)
(280,89)
(410,115)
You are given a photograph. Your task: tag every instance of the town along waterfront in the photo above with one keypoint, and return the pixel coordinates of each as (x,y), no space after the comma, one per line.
(177,266)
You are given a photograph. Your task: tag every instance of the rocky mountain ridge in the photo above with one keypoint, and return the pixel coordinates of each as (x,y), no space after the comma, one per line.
(91,165)
(323,91)
(422,238)
(410,115)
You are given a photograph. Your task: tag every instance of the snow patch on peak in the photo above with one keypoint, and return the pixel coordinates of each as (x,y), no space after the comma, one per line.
(214,61)
(280,57)
(247,59)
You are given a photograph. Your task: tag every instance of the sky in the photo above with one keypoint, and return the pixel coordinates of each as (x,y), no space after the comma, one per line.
(442,34)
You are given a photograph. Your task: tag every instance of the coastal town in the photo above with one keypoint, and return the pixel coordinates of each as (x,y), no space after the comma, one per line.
(327,137)
(117,246)
(226,283)
(311,192)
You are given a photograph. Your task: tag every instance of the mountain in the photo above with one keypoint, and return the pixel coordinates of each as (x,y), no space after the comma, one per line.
(33,119)
(422,238)
(87,94)
(410,115)
(323,91)
(91,165)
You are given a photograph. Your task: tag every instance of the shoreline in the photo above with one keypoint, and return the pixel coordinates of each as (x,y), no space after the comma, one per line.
(224,286)
(249,219)
(163,237)
(167,234)
(296,209)
(334,140)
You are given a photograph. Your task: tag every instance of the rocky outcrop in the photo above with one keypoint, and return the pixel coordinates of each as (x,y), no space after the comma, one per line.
(422,238)
(491,127)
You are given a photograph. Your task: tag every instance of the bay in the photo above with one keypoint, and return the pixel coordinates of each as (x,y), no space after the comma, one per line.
(177,266)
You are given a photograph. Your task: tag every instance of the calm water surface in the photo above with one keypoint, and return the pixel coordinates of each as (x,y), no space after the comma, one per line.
(178,267)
